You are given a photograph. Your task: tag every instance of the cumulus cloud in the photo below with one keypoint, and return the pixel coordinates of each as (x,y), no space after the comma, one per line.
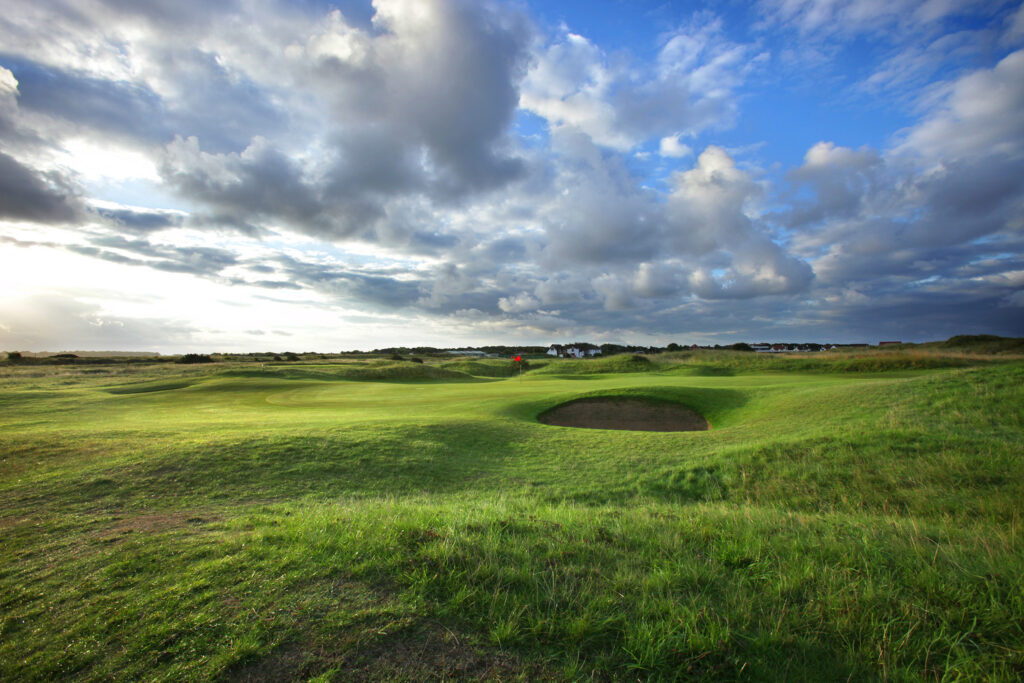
(416,103)
(620,105)
(975,117)
(27,192)
(670,146)
(518,303)
(839,179)
(596,214)
(938,215)
(419,107)
(81,101)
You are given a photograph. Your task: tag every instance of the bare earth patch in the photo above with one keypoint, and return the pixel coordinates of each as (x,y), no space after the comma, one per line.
(624,413)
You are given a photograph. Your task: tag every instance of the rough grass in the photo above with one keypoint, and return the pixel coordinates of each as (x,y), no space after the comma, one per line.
(288,523)
(719,363)
(982,343)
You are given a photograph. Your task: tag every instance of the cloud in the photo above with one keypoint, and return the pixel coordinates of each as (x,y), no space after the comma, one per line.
(1014,27)
(596,213)
(518,303)
(26,194)
(977,117)
(8,104)
(620,105)
(116,108)
(670,146)
(141,222)
(184,259)
(441,77)
(839,179)
(937,216)
(371,289)
(260,183)
(825,17)
(415,104)
(913,68)
(419,107)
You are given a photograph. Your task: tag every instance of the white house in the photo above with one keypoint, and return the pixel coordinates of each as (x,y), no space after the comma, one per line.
(570,351)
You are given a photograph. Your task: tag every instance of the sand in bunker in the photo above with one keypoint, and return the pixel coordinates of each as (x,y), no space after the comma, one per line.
(624,413)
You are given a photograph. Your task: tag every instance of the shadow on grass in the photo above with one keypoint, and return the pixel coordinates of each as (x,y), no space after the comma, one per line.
(148,387)
(427,459)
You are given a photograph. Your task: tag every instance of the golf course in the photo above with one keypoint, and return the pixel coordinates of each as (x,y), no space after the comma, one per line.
(829,516)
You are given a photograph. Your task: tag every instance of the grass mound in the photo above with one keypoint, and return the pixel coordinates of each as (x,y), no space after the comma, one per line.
(482,368)
(380,371)
(597,366)
(403,370)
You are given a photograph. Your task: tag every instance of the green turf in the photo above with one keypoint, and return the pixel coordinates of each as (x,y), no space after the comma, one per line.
(848,516)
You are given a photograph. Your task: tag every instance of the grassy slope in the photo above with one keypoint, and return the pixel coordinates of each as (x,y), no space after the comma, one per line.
(287,523)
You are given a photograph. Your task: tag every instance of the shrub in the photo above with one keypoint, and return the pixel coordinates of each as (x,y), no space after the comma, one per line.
(195,358)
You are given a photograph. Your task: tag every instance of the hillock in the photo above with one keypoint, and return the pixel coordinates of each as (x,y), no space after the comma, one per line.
(482,368)
(624,362)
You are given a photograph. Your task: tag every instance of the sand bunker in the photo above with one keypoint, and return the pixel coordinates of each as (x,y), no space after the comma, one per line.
(624,413)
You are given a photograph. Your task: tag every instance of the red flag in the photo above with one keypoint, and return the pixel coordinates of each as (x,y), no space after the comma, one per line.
(517,358)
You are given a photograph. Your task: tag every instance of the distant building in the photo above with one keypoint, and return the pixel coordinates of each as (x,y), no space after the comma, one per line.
(560,351)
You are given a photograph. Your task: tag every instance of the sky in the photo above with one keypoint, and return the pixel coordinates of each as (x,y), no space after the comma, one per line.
(181,175)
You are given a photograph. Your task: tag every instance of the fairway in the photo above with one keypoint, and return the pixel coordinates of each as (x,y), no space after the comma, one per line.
(387,521)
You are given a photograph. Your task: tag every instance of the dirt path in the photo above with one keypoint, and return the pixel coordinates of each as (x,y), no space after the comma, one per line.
(624,413)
